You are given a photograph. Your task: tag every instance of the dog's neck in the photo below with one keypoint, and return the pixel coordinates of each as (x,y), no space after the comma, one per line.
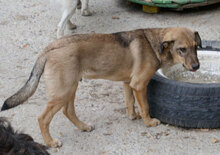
(155,38)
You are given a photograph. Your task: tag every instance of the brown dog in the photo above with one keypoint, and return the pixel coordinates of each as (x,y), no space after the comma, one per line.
(132,57)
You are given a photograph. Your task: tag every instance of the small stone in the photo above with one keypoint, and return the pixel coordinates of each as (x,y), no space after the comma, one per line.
(158,135)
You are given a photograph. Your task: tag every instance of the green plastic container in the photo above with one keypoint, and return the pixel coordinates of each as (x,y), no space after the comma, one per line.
(176,4)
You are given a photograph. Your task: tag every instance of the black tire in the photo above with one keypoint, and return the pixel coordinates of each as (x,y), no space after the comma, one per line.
(184,104)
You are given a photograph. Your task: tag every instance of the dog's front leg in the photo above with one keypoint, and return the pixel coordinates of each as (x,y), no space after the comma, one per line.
(139,84)
(85,8)
(129,101)
(143,106)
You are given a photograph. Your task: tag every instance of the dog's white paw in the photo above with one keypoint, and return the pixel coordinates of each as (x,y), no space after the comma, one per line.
(86,13)
(71,26)
(79,5)
(60,33)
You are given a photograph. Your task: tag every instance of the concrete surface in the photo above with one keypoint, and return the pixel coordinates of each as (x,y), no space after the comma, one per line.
(27,26)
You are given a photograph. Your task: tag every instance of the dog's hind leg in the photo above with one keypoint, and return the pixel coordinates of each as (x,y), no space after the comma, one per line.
(130,100)
(68,11)
(60,79)
(69,112)
(44,121)
(79,4)
(85,8)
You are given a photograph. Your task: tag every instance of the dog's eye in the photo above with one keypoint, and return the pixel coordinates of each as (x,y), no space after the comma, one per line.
(183,50)
(196,48)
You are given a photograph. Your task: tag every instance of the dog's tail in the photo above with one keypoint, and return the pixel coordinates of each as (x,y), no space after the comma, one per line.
(30,86)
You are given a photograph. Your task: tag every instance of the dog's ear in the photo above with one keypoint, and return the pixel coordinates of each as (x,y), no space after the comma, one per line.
(165,44)
(198,39)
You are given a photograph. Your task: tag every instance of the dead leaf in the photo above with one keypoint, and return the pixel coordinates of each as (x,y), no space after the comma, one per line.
(143,133)
(166,134)
(151,150)
(94,95)
(214,140)
(25,45)
(115,17)
(61,134)
(204,130)
(4,23)
(107,133)
(108,123)
(105,94)
(19,67)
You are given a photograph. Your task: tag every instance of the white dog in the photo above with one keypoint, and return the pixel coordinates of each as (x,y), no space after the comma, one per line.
(68,9)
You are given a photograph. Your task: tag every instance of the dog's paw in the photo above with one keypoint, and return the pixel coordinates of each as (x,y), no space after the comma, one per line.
(54,143)
(152,122)
(133,116)
(89,128)
(86,13)
(79,5)
(71,26)
(60,33)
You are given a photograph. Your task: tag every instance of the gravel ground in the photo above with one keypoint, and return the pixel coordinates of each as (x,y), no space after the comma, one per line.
(27,26)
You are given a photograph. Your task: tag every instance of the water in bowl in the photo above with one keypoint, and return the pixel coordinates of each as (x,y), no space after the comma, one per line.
(209,71)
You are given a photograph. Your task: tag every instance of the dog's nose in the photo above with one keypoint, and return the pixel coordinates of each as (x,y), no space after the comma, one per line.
(195,66)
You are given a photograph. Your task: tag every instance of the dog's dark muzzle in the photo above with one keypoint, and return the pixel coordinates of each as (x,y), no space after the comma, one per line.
(195,67)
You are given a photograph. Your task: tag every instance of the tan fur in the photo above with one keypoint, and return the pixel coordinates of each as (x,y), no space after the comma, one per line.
(132,57)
